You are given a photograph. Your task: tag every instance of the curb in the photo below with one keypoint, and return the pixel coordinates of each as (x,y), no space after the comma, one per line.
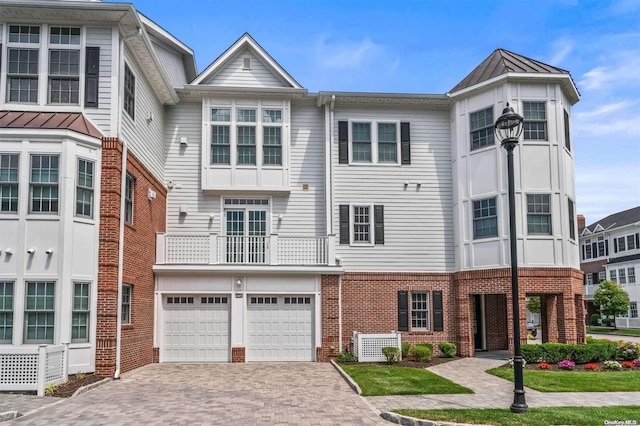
(347,378)
(87,388)
(9,415)
(411,421)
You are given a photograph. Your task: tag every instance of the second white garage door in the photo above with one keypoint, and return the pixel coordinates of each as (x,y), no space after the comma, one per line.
(280,328)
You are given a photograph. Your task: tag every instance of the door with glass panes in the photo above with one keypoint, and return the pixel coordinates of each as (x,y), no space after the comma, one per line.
(246,236)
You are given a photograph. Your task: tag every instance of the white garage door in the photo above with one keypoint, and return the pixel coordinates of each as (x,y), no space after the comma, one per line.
(280,328)
(195,329)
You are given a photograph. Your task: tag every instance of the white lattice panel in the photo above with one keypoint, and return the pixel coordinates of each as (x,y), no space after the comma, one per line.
(368,347)
(18,370)
(302,251)
(54,372)
(187,249)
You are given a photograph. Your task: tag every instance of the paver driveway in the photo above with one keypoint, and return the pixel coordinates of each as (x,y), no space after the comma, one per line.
(220,394)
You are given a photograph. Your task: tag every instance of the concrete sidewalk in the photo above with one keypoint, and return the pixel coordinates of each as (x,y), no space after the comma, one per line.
(493,392)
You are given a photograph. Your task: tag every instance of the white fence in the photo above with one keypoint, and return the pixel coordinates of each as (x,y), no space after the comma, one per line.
(628,322)
(33,368)
(368,347)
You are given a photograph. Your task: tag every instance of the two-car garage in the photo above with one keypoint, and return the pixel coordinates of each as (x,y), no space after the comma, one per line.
(198,328)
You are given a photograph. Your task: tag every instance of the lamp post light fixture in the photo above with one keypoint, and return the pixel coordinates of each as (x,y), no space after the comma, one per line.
(508,129)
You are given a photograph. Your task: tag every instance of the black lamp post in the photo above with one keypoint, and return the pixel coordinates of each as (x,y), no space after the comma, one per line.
(508,129)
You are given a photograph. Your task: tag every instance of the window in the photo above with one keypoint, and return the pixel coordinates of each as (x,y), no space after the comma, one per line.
(485,219)
(361,224)
(64,65)
(22,63)
(622,276)
(602,275)
(39,313)
(387,143)
(631,242)
(539,214)
(44,184)
(603,247)
(361,142)
(587,254)
(217,300)
(535,120)
(80,314)
(264,300)
(220,138)
(572,220)
(6,311)
(567,131)
(246,135)
(621,243)
(129,92)
(420,310)
(129,195)
(631,275)
(181,300)
(613,276)
(126,304)
(272,137)
(481,128)
(9,182)
(589,279)
(84,189)
(633,310)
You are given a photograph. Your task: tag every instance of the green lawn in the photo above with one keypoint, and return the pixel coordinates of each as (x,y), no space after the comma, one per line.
(575,381)
(379,380)
(583,416)
(609,330)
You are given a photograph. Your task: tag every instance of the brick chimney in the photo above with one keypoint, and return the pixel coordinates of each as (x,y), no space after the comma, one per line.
(581,222)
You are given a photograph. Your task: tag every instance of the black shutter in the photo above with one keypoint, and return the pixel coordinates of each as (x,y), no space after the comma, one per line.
(378,217)
(405,143)
(595,278)
(343,142)
(92,71)
(637,241)
(438,320)
(403,311)
(344,224)
(606,247)
(615,245)
(594,250)
(584,253)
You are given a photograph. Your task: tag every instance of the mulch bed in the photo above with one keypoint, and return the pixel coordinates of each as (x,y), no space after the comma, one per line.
(67,389)
(410,362)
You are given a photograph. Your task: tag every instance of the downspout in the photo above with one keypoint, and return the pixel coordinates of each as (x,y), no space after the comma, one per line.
(330,162)
(123,188)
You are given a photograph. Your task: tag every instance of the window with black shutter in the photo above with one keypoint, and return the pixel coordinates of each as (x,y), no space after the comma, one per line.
(438,316)
(379,224)
(344,224)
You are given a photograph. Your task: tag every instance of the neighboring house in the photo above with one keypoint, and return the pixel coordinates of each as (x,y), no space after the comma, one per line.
(610,249)
(152,215)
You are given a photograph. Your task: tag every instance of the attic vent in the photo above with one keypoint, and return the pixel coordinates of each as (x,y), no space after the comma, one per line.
(246,63)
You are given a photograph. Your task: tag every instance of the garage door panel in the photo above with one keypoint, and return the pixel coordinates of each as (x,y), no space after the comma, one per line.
(279,331)
(195,332)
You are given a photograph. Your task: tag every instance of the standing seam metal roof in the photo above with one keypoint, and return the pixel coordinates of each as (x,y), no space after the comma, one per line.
(49,120)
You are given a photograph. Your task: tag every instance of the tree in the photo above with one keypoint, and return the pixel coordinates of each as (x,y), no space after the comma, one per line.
(611,299)
(533,304)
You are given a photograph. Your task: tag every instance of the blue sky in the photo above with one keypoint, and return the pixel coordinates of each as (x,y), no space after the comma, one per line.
(429,46)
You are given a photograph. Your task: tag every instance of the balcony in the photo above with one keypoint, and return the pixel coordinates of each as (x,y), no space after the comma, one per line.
(213,249)
(590,291)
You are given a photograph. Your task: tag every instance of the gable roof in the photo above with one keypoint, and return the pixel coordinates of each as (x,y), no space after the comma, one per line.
(502,61)
(74,121)
(616,220)
(247,42)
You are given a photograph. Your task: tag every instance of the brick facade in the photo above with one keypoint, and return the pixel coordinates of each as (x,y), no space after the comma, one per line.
(238,354)
(369,305)
(139,257)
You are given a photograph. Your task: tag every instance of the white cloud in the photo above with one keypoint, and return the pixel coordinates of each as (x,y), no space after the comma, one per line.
(618,70)
(602,110)
(342,55)
(562,48)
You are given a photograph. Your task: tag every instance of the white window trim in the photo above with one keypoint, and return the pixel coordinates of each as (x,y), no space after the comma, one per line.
(372,239)
(43,66)
(428,310)
(374,143)
(259,125)
(471,148)
(25,330)
(129,304)
(87,311)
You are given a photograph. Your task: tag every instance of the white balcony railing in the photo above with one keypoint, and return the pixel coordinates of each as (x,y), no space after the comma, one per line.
(212,249)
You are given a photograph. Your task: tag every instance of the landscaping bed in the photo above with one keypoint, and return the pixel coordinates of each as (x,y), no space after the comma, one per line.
(75,382)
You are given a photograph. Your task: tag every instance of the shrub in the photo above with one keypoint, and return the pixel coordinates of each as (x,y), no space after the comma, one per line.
(406,348)
(447,349)
(566,364)
(592,366)
(346,357)
(628,350)
(607,322)
(544,366)
(595,352)
(391,353)
(594,319)
(591,340)
(613,365)
(422,353)
(532,353)
(627,364)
